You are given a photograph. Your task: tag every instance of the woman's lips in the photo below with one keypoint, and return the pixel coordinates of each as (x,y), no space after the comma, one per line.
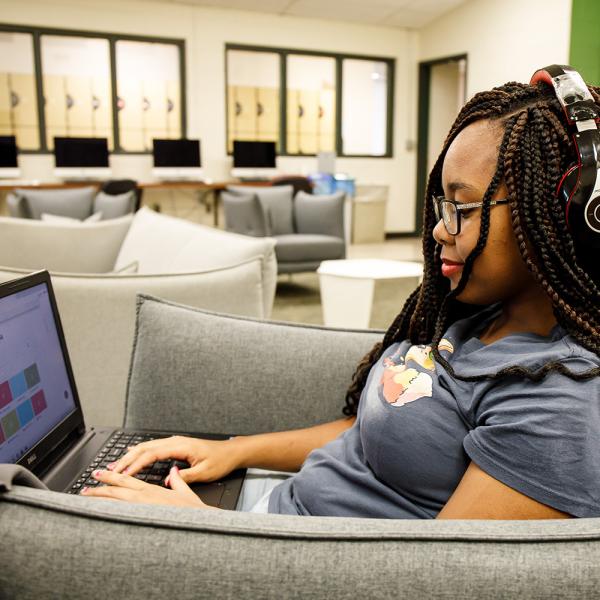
(450,267)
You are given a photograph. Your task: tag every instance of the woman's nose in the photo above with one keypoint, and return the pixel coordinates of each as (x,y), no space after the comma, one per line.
(441,235)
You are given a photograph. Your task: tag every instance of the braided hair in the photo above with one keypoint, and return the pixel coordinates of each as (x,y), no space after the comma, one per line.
(535,151)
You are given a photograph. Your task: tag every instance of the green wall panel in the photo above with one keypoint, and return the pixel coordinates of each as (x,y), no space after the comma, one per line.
(585,39)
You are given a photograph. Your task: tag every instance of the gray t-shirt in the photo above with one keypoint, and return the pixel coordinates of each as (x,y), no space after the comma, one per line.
(417,429)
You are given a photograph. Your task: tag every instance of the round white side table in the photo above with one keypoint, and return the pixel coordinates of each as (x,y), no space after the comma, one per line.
(347,287)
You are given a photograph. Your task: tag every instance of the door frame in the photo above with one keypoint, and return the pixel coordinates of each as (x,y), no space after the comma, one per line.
(423,129)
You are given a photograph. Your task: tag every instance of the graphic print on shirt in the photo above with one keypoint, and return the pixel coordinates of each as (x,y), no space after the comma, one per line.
(402,383)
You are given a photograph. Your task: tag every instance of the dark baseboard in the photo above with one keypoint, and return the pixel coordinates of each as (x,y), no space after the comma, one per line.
(394,235)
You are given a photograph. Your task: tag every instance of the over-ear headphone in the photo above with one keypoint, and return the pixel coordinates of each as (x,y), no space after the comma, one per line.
(579,187)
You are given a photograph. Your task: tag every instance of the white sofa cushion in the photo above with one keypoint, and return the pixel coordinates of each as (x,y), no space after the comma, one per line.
(158,243)
(73,248)
(164,244)
(50,218)
(128,269)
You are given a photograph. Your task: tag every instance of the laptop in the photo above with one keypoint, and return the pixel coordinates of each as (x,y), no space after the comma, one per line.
(42,424)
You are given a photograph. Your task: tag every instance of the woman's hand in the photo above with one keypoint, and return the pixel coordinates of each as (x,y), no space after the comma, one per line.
(130,489)
(209,459)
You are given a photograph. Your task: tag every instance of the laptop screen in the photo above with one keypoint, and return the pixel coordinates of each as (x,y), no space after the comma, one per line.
(35,390)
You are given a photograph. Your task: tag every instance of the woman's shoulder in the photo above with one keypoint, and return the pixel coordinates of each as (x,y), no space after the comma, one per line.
(578,353)
(461,346)
(528,350)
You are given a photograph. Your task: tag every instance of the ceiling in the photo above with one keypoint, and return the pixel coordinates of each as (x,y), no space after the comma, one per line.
(410,14)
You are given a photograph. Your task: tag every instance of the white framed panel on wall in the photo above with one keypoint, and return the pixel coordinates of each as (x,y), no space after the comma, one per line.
(148,96)
(253,84)
(18,94)
(311,92)
(77,87)
(327,102)
(364,107)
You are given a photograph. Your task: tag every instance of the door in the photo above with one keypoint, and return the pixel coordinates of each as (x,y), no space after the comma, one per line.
(442,93)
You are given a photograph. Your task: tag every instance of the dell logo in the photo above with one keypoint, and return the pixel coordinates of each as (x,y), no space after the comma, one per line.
(31,458)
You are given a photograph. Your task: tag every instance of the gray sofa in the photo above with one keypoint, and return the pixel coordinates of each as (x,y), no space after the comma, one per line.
(307,229)
(205,365)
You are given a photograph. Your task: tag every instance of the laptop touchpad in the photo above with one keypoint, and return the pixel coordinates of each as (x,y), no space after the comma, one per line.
(209,493)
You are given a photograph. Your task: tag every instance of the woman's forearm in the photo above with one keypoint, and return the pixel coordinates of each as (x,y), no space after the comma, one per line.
(286,450)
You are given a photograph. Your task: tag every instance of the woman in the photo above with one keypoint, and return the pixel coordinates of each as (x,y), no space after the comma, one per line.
(483,399)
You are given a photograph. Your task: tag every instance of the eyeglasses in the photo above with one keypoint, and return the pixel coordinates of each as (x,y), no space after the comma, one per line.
(449,211)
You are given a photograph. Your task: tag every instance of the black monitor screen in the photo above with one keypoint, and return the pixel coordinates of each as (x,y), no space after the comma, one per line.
(254,155)
(80,152)
(8,151)
(176,153)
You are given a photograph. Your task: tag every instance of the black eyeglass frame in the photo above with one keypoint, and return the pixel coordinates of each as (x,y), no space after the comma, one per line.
(439,214)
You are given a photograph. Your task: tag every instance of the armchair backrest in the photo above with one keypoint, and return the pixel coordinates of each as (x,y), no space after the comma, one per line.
(252,210)
(75,203)
(237,375)
(244,214)
(16,206)
(322,215)
(277,203)
(98,317)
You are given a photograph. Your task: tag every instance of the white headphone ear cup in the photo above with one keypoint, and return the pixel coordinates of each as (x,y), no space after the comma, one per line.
(592,213)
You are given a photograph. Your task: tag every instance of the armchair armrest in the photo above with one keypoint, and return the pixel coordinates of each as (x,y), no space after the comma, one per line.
(16,206)
(194,370)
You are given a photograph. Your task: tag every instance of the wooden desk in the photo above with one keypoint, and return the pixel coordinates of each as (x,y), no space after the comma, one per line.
(216,187)
(182,185)
(9,186)
(201,187)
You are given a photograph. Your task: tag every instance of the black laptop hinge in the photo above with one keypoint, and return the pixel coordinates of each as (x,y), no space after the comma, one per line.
(58,451)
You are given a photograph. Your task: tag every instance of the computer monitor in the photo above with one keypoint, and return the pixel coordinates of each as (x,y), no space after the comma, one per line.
(9,166)
(176,159)
(81,158)
(253,159)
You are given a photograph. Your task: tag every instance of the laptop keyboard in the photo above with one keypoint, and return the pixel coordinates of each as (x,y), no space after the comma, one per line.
(116,447)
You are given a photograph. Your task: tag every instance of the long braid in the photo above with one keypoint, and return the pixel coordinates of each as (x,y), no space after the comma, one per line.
(535,151)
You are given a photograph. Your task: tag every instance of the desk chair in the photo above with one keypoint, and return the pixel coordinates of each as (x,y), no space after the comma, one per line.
(114,187)
(298,183)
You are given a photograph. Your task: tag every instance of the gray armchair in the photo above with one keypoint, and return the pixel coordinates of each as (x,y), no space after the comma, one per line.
(307,229)
(50,542)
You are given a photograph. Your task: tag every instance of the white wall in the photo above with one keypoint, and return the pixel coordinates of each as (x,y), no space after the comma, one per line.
(506,40)
(206,30)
